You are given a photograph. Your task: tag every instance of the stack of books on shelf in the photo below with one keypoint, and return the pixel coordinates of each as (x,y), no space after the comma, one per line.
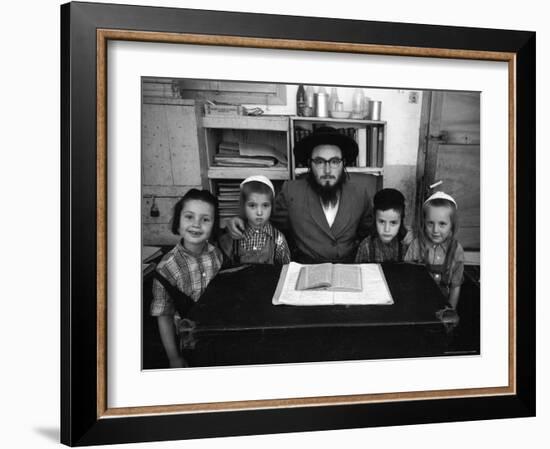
(371,146)
(238,154)
(228,198)
(300,133)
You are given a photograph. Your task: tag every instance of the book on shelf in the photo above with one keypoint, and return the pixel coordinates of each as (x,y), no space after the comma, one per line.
(244,161)
(362,144)
(368,133)
(380,159)
(300,133)
(374,147)
(228,148)
(262,150)
(328,276)
(241,154)
(228,186)
(353,284)
(228,198)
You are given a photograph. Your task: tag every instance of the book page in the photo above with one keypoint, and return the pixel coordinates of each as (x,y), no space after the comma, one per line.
(314,276)
(286,292)
(375,289)
(346,278)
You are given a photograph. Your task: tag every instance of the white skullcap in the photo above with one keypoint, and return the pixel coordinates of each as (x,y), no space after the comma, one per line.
(259,178)
(442,196)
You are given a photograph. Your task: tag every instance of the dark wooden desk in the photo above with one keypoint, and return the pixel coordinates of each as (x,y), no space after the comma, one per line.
(236,323)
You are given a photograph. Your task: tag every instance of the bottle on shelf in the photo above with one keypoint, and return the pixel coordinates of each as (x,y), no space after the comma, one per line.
(300,100)
(321,104)
(309,110)
(333,99)
(366,108)
(357,105)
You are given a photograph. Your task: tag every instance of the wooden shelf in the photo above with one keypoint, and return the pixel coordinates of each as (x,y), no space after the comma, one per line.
(244,172)
(375,171)
(264,122)
(338,120)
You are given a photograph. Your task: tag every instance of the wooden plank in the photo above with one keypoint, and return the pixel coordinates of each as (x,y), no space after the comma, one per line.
(181,128)
(469,237)
(461,113)
(268,123)
(458,166)
(375,171)
(233,92)
(159,88)
(421,179)
(156,167)
(148,99)
(244,172)
(229,86)
(165,206)
(166,191)
(203,148)
(158,235)
(355,122)
(148,79)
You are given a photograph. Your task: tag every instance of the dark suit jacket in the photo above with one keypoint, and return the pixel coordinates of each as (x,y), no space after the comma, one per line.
(298,213)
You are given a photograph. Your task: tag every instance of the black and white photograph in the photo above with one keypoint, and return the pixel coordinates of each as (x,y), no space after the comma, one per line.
(293,223)
(276,224)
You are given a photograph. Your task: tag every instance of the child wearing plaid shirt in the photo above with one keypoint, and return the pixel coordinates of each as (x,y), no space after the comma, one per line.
(187,269)
(261,243)
(436,245)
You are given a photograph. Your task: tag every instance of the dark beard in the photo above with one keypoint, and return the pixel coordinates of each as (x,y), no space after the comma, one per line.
(327,193)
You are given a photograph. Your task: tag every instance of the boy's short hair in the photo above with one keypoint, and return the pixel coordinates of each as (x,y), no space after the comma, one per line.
(200,195)
(255,187)
(441,202)
(387,199)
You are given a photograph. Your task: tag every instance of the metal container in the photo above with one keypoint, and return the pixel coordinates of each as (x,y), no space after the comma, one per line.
(321,104)
(375,110)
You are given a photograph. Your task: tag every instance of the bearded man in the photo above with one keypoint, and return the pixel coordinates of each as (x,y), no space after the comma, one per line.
(325,214)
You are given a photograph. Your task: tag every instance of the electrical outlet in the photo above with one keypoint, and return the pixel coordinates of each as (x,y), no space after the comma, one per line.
(413,97)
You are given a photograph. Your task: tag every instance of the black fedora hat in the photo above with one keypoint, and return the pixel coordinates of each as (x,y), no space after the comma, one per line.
(325,135)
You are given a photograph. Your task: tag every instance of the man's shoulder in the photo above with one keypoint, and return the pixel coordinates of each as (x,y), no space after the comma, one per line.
(299,183)
(357,184)
(295,187)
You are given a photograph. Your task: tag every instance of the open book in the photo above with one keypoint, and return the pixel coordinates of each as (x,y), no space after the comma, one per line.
(328,276)
(370,288)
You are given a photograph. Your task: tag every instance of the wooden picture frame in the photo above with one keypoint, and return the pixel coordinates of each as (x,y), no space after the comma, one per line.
(86,418)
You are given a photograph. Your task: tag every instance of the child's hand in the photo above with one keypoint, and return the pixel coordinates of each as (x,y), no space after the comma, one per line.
(448,317)
(235,225)
(178,362)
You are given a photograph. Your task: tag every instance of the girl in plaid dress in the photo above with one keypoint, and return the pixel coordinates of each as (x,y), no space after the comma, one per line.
(262,243)
(436,245)
(184,272)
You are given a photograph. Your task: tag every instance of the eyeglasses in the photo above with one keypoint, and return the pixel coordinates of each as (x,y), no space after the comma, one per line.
(334,162)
